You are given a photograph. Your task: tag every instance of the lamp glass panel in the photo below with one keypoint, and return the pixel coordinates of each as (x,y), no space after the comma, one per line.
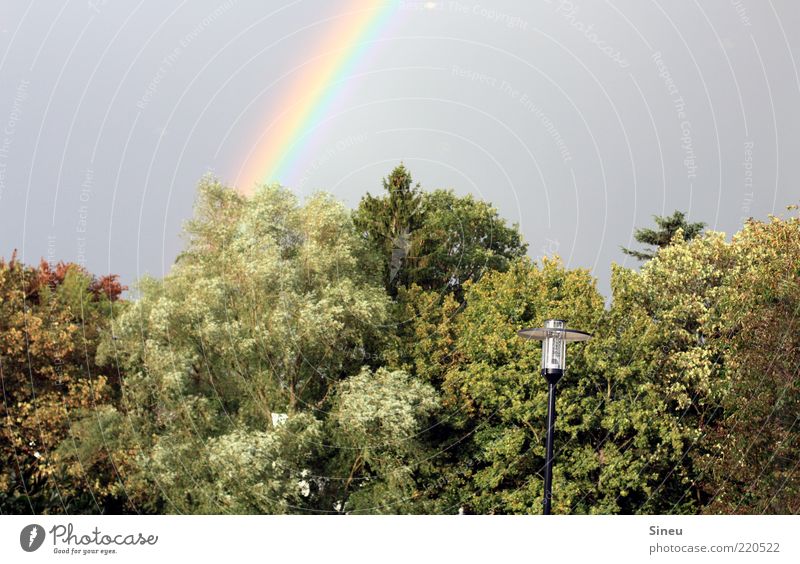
(554,347)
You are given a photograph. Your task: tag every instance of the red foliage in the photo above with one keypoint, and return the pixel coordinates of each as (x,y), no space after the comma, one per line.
(108,285)
(53,276)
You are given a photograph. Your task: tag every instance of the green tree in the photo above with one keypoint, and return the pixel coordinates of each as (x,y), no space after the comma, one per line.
(719,320)
(436,240)
(449,241)
(377,424)
(259,318)
(659,360)
(663,235)
(238,392)
(493,460)
(632,410)
(750,457)
(389,222)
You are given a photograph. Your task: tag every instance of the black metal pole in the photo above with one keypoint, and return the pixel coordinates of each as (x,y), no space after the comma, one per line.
(548,468)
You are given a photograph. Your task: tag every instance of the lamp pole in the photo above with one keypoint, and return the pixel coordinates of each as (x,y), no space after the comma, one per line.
(554,337)
(548,465)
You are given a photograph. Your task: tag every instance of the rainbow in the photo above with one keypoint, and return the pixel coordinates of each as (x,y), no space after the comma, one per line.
(313,89)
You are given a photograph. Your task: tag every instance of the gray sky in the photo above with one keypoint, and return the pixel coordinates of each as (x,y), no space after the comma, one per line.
(579,120)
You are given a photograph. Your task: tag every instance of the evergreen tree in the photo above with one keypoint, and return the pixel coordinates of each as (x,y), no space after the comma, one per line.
(667,227)
(389,221)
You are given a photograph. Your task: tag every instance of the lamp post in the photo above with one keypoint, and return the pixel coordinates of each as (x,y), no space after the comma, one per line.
(554,337)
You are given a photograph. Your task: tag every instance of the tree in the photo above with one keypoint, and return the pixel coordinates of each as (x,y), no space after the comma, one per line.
(449,241)
(723,348)
(720,338)
(244,388)
(634,406)
(377,423)
(52,319)
(389,221)
(659,360)
(461,239)
(750,463)
(492,462)
(667,227)
(436,240)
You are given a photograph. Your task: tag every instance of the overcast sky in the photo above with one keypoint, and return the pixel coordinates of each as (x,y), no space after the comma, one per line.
(578,120)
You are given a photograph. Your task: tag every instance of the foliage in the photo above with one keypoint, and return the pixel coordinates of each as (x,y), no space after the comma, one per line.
(300,358)
(389,222)
(51,321)
(751,462)
(237,362)
(658,413)
(659,362)
(495,402)
(376,425)
(436,240)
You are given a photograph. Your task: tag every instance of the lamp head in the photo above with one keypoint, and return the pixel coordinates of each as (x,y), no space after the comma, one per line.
(554,336)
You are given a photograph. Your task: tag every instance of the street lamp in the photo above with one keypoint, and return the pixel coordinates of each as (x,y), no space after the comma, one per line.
(554,337)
